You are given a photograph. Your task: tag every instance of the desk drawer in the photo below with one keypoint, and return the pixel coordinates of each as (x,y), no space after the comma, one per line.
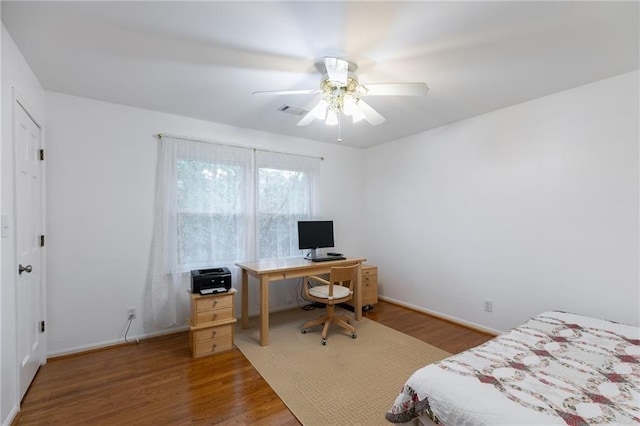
(369,270)
(213,333)
(219,302)
(369,280)
(208,347)
(369,286)
(214,315)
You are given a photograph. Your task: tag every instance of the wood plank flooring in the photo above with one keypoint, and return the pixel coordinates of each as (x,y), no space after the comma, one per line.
(157,382)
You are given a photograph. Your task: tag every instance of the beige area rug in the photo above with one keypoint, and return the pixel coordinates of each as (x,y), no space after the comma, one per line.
(348,381)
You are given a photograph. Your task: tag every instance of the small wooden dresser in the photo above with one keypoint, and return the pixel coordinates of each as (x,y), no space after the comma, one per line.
(212,323)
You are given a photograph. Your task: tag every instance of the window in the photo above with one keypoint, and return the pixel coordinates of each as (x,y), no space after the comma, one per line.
(209,223)
(230,206)
(286,194)
(216,205)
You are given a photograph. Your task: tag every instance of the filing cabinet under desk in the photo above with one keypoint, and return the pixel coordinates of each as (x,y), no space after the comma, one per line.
(369,287)
(212,323)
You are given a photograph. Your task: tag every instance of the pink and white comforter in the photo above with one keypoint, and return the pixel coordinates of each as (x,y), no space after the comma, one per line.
(557,368)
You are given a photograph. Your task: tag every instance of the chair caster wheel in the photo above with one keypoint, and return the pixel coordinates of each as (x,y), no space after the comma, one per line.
(354,335)
(324,342)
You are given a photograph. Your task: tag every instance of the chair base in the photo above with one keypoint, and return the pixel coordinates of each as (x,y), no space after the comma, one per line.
(327,320)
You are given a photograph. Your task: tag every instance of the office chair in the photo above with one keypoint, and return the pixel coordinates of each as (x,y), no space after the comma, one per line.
(338,289)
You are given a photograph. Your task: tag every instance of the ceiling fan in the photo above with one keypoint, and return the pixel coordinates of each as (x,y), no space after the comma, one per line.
(342,93)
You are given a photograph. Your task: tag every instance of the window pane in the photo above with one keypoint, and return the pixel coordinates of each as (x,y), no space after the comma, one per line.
(283,200)
(203,238)
(208,187)
(210,225)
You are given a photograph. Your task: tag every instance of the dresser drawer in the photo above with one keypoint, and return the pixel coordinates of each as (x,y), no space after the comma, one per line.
(205,304)
(213,333)
(209,347)
(214,315)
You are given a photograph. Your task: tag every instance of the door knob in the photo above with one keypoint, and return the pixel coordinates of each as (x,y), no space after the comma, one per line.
(26,269)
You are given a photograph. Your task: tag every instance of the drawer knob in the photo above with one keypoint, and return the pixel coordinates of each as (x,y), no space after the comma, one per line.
(215,302)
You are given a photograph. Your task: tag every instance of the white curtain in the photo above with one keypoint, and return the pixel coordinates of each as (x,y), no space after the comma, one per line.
(217,205)
(220,194)
(287,190)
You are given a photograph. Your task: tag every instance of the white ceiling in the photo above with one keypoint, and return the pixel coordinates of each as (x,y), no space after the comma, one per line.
(204,59)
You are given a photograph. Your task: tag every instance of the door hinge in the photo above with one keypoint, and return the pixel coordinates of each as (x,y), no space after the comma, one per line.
(41,326)
(42,155)
(41,240)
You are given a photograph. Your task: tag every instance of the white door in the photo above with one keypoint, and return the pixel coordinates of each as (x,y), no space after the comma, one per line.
(28,215)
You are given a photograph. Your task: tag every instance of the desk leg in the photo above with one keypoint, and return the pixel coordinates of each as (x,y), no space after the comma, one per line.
(358,302)
(245,299)
(264,310)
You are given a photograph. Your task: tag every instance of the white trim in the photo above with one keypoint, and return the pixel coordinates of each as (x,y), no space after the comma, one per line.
(107,343)
(12,415)
(455,320)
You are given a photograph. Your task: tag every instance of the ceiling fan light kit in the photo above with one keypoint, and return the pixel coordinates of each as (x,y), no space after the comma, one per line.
(338,98)
(342,94)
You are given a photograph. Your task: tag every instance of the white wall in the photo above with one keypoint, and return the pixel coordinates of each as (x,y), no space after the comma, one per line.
(534,206)
(101,165)
(15,74)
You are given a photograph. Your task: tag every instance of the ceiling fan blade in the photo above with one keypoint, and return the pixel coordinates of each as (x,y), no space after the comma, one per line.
(307,119)
(371,115)
(337,70)
(397,89)
(319,111)
(287,92)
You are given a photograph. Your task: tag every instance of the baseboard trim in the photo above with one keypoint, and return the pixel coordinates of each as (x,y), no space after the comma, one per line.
(13,419)
(81,350)
(451,319)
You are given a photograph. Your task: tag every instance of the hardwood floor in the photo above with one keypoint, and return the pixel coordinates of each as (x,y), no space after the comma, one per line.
(157,382)
(446,335)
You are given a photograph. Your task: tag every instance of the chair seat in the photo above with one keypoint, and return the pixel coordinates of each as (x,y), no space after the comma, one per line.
(323,291)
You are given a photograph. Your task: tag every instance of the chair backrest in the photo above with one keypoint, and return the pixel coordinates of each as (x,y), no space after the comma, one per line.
(343,275)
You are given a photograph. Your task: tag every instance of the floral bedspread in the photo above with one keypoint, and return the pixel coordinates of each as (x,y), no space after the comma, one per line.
(557,368)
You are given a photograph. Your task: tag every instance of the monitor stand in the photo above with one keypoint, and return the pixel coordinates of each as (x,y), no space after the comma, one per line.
(311,255)
(314,257)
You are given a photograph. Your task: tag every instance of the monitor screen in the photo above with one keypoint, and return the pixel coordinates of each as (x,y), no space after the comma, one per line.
(313,234)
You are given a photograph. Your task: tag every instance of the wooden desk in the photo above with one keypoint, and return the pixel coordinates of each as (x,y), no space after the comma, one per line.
(268,270)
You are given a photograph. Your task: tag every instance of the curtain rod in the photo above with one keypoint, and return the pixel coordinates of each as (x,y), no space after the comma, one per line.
(210,141)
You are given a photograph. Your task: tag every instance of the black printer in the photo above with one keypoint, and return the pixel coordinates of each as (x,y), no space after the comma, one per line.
(210,281)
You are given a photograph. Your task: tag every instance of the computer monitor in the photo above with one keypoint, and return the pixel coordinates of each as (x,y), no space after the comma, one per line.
(315,234)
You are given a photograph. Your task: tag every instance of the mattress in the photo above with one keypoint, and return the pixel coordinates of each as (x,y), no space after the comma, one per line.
(557,368)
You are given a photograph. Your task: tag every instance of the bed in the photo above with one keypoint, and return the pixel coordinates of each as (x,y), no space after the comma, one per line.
(557,368)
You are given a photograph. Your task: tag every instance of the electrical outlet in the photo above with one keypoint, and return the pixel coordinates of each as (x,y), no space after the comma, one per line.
(488,305)
(131,313)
